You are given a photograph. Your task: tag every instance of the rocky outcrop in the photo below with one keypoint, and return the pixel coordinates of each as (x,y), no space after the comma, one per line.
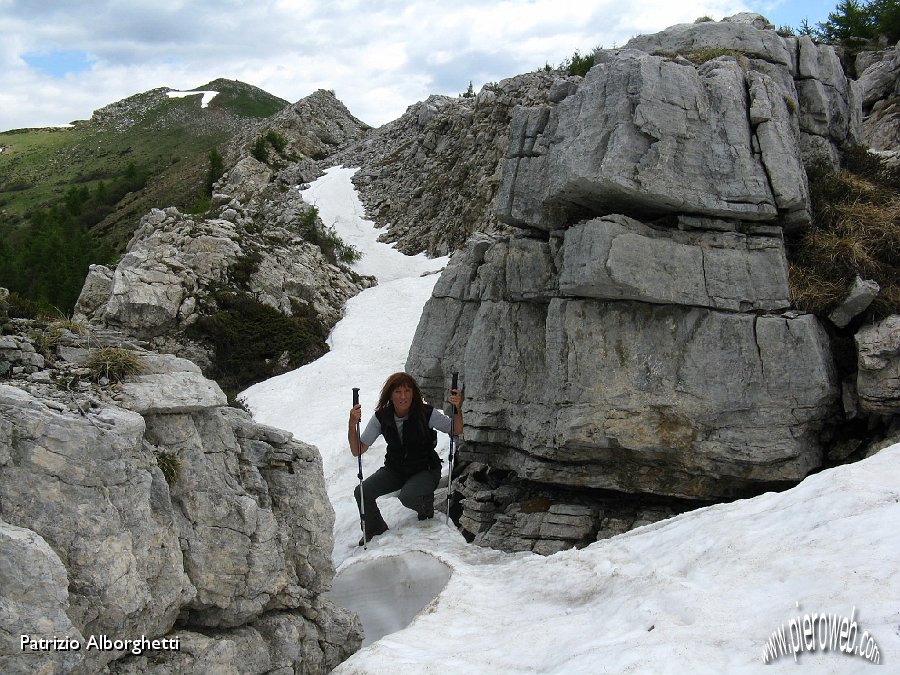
(878,379)
(633,334)
(809,76)
(430,176)
(148,508)
(313,128)
(725,139)
(258,242)
(175,262)
(879,87)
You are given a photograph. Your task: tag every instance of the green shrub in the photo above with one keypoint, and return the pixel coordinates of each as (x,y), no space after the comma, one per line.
(215,171)
(114,363)
(276,140)
(260,150)
(335,249)
(25,308)
(253,342)
(578,64)
(308,219)
(244,268)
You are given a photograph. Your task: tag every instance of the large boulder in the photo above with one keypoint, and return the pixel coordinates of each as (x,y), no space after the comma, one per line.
(151,508)
(577,387)
(650,135)
(629,348)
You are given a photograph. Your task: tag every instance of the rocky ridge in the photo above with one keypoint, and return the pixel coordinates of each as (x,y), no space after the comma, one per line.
(430,176)
(163,513)
(632,333)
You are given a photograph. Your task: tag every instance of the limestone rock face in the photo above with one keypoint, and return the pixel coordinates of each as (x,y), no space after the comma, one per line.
(878,379)
(879,86)
(429,178)
(649,133)
(34,599)
(150,508)
(583,389)
(628,347)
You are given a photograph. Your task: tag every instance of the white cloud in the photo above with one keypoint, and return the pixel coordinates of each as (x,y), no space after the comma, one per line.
(378,57)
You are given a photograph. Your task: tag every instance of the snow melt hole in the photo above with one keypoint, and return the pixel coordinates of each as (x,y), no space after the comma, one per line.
(387,593)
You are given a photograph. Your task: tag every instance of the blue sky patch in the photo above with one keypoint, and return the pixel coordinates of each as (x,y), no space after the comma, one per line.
(59,62)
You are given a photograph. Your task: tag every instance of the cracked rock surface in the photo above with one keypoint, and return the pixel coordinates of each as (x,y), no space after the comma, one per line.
(629,346)
(148,507)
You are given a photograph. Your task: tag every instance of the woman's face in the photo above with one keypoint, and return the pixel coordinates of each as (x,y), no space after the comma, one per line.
(401,397)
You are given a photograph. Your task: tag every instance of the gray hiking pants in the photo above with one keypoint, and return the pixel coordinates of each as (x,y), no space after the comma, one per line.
(416,493)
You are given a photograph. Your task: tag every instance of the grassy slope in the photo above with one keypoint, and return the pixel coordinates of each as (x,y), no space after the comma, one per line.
(170,139)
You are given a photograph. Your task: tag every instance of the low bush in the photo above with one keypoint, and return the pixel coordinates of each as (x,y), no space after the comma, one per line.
(578,64)
(335,249)
(253,342)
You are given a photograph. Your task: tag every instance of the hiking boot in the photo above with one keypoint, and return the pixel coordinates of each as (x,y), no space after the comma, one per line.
(427,514)
(381,528)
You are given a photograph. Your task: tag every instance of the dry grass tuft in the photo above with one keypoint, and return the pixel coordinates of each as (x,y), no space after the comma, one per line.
(114,364)
(855,231)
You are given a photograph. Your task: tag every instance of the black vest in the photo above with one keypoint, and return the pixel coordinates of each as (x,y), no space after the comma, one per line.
(416,451)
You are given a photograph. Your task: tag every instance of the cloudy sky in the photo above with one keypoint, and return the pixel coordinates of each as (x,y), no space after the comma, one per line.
(62,59)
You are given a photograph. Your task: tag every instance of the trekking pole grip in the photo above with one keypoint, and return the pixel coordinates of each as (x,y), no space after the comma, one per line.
(454,385)
(355,395)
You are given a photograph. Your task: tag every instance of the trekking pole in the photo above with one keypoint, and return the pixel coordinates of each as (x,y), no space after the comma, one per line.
(452,446)
(362,500)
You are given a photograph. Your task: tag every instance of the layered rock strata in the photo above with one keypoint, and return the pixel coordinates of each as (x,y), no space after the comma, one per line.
(429,178)
(634,332)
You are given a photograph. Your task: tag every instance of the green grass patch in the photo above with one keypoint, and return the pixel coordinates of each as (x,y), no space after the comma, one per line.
(701,56)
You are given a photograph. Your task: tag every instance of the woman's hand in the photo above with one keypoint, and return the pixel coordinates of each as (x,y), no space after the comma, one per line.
(456,398)
(356,446)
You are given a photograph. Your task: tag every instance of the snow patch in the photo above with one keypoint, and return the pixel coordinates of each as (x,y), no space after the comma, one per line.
(207,96)
(340,207)
(387,593)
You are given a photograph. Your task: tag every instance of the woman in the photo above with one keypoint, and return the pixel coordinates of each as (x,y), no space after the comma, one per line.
(411,464)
